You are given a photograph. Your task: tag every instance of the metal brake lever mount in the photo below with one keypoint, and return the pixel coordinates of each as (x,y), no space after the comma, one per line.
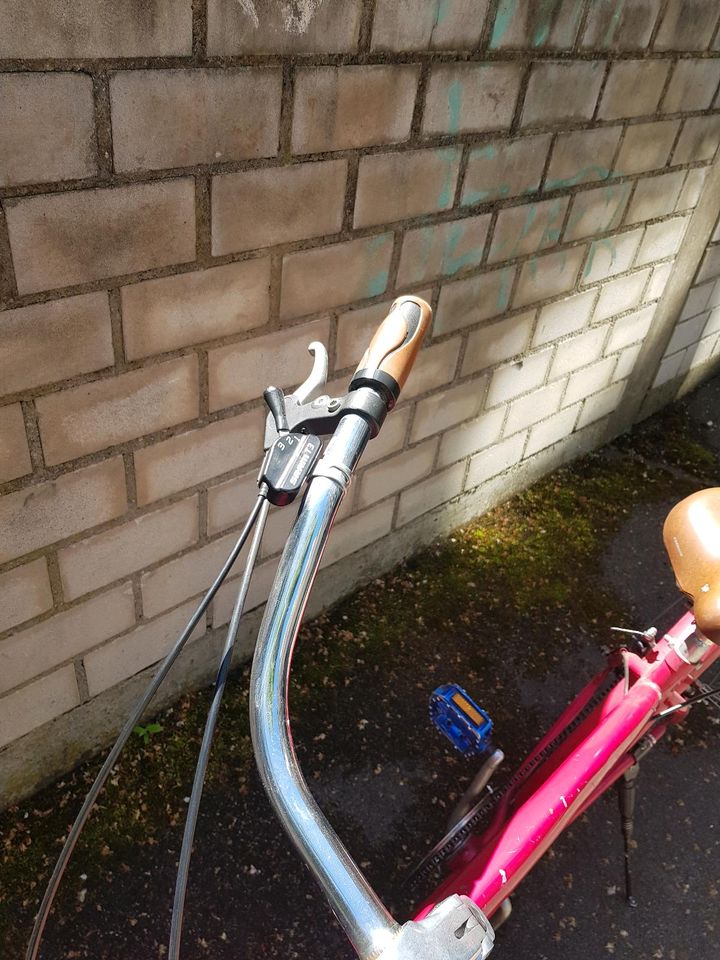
(322,415)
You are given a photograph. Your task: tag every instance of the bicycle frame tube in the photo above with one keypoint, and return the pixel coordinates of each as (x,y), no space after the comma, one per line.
(365,920)
(597,755)
(531,830)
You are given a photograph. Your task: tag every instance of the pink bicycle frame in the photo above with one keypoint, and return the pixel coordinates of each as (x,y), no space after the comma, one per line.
(593,757)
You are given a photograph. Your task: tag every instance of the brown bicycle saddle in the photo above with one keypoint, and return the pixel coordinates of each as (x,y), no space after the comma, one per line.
(692,540)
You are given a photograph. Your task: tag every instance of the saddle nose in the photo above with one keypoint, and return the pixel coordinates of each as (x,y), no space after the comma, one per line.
(692,540)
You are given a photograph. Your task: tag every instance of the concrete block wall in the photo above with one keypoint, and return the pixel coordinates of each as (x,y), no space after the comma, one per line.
(694,346)
(191,192)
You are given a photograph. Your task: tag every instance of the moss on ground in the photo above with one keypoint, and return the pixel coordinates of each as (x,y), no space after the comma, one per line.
(528,561)
(672,439)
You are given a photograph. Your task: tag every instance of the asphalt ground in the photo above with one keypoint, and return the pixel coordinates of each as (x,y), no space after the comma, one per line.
(516,608)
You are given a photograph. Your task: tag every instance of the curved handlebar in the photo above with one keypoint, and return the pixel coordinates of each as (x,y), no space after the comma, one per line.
(384,368)
(364,918)
(387,362)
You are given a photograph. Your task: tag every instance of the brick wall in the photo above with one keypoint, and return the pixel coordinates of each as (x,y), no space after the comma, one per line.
(190,192)
(695,340)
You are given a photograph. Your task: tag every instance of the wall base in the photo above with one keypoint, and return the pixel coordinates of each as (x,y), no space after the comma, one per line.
(49,751)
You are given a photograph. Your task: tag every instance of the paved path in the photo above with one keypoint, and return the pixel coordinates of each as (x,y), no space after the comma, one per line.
(385,778)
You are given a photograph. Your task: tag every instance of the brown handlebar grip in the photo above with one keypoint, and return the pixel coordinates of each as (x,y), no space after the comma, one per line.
(387,362)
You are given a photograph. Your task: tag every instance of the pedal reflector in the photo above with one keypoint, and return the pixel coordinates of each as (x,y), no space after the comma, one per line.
(460,719)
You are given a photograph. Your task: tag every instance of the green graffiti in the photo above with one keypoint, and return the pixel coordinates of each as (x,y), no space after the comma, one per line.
(614,205)
(608,244)
(489,151)
(553,216)
(455,97)
(446,193)
(443,8)
(619,198)
(540,17)
(530,215)
(613,201)
(377,283)
(451,262)
(546,10)
(503,297)
(533,263)
(475,196)
(551,233)
(504,15)
(567,21)
(376,243)
(594,172)
(614,22)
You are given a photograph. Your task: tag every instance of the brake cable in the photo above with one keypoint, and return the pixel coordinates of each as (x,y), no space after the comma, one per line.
(288,462)
(208,734)
(688,702)
(292,452)
(130,724)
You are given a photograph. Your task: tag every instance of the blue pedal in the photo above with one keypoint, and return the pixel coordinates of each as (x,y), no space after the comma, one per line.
(463,722)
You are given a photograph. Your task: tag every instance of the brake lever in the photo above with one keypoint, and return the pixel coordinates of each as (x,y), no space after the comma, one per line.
(296,414)
(318,374)
(292,413)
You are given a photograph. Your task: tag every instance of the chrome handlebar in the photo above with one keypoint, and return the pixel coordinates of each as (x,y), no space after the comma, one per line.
(365,920)
(456,929)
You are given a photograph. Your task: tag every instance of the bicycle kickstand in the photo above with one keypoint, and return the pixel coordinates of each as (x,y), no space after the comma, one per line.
(627,793)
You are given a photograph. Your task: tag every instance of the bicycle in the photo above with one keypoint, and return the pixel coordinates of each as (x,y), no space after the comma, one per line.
(597,741)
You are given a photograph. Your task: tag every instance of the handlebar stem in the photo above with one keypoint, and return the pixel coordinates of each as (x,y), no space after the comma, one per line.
(365,920)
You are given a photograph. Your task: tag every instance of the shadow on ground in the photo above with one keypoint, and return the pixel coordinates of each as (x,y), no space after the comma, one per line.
(517,607)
